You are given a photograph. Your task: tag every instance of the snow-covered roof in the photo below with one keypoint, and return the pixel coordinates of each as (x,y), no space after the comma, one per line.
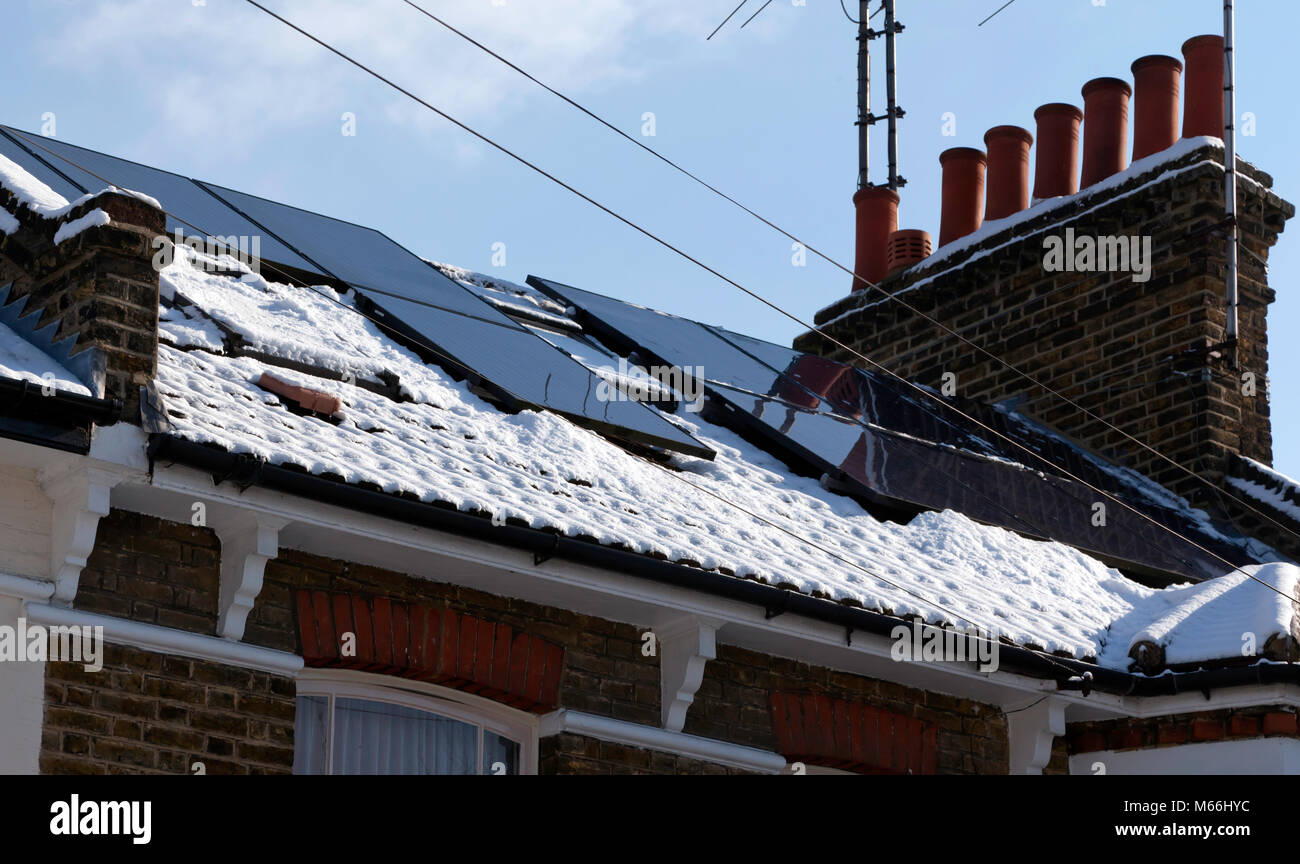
(409,428)
(1264,485)
(743,513)
(22,361)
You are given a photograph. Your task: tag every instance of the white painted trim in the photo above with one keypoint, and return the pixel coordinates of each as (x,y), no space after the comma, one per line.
(165,640)
(685,647)
(1252,756)
(25,588)
(654,738)
(1031,729)
(80,497)
(334,531)
(247,544)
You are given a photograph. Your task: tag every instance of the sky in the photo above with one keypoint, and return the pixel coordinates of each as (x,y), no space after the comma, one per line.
(218,90)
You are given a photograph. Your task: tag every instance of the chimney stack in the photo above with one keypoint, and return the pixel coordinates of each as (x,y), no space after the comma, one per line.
(1008,170)
(1203,111)
(1105,129)
(1056,171)
(963,192)
(877,218)
(1155,103)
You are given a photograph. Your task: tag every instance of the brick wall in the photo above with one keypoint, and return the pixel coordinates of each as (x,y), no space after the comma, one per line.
(733,704)
(567,753)
(148,713)
(153,571)
(100,286)
(1172,730)
(1115,346)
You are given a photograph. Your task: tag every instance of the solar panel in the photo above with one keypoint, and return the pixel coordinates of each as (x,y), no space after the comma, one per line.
(188,200)
(15,152)
(877,438)
(521,367)
(360,256)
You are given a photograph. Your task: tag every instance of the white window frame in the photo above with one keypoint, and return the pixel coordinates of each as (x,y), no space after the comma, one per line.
(487,715)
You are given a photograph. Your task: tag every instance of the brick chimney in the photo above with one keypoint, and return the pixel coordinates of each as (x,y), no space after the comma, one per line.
(1142,353)
(99,288)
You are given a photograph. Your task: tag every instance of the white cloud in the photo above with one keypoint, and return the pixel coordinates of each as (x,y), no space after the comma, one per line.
(225,70)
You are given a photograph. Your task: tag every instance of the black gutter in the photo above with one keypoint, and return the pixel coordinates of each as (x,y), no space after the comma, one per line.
(23,398)
(1068,673)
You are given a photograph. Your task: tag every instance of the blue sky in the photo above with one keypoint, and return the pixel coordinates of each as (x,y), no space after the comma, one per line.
(218,90)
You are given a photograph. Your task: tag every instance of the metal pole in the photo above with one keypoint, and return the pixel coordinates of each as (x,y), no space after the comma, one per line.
(891,93)
(864,91)
(1230,174)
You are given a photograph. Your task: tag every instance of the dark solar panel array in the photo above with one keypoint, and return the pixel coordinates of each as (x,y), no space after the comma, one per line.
(420,301)
(205,214)
(874,436)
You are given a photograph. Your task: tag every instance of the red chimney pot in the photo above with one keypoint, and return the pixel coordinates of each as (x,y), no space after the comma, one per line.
(1008,170)
(1056,171)
(963,192)
(1203,109)
(1105,129)
(1155,103)
(877,218)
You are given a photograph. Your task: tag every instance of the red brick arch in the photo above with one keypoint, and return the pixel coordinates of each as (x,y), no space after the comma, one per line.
(433,644)
(854,736)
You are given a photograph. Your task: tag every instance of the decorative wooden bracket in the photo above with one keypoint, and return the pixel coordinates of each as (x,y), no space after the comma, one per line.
(1031,730)
(80,499)
(247,543)
(686,645)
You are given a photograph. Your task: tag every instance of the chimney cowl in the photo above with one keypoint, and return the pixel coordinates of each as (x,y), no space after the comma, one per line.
(1156,79)
(963,192)
(1007,183)
(908,246)
(1203,97)
(1105,129)
(1056,166)
(876,212)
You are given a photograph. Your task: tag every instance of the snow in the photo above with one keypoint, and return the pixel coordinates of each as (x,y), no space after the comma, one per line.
(1209,620)
(508,296)
(8,224)
(1280,492)
(743,513)
(185,327)
(30,191)
(71,229)
(20,360)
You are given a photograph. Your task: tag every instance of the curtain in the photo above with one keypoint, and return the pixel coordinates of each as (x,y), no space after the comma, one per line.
(381,738)
(311,728)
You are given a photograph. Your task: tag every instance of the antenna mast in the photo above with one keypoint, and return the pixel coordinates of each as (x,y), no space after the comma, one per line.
(864,92)
(1230,177)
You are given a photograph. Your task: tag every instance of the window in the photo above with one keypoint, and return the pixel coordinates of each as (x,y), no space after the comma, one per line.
(355,723)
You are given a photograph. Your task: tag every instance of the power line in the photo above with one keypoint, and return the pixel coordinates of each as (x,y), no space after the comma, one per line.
(453,362)
(867,283)
(999,9)
(755,15)
(725,20)
(685,255)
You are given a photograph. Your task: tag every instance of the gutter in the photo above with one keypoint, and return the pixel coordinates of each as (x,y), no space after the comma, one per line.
(247,471)
(23,398)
